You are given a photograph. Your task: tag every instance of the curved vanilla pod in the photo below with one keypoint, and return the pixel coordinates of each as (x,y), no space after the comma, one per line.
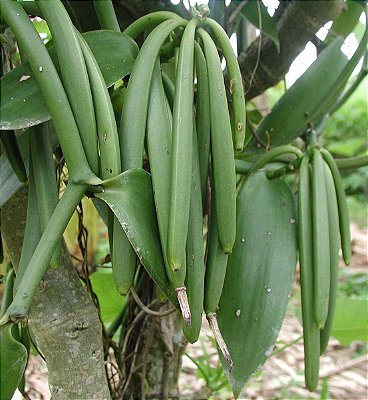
(181,154)
(110,166)
(132,129)
(52,89)
(44,179)
(311,332)
(74,75)
(215,277)
(236,86)
(159,140)
(203,116)
(194,280)
(106,15)
(342,205)
(39,262)
(12,151)
(148,21)
(333,218)
(222,155)
(169,88)
(216,261)
(272,154)
(321,241)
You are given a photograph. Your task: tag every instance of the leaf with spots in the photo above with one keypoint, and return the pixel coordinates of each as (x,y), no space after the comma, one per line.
(259,275)
(21,102)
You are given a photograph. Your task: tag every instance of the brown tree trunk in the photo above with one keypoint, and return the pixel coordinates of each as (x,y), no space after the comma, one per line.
(151,348)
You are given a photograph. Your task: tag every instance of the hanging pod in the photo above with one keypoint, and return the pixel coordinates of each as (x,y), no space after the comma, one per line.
(222,156)
(311,332)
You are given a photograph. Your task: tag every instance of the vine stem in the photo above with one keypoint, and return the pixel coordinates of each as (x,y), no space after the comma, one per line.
(40,260)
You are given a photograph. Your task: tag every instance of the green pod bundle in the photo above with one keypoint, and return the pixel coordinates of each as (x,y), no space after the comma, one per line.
(132,130)
(74,75)
(334,241)
(321,245)
(236,86)
(222,157)
(52,90)
(159,139)
(44,179)
(134,114)
(342,206)
(181,154)
(110,166)
(311,331)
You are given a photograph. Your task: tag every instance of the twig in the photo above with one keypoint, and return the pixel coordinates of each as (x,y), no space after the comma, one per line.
(235,13)
(258,49)
(148,310)
(341,368)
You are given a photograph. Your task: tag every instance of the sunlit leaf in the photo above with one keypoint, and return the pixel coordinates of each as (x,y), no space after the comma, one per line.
(351,320)
(110,301)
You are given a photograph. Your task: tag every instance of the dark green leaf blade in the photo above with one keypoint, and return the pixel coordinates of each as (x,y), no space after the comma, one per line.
(261,19)
(13,360)
(303,105)
(9,182)
(259,275)
(21,103)
(298,107)
(130,197)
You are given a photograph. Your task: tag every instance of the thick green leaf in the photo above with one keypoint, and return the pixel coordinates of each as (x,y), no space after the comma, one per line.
(13,360)
(312,96)
(21,103)
(9,182)
(109,299)
(130,197)
(261,19)
(259,276)
(351,320)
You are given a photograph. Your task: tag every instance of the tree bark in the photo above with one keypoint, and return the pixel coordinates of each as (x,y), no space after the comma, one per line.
(296,26)
(62,319)
(151,357)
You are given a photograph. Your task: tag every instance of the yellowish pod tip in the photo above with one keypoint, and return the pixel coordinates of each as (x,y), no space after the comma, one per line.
(212,320)
(181,293)
(227,250)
